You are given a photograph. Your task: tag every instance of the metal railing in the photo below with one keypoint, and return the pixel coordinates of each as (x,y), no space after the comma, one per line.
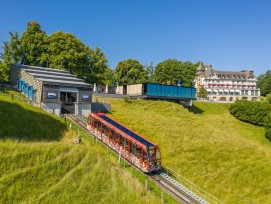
(191,186)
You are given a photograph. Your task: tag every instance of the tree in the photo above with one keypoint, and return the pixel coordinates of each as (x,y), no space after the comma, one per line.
(11,55)
(150,72)
(97,70)
(171,71)
(264,83)
(34,45)
(5,62)
(65,51)
(14,46)
(268,97)
(202,92)
(130,72)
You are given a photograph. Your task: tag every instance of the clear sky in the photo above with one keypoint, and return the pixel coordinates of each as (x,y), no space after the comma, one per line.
(229,34)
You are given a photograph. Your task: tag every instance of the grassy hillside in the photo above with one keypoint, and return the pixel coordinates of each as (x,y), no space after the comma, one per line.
(40,164)
(204,143)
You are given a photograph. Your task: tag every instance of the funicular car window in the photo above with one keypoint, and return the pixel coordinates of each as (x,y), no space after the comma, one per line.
(138,151)
(107,131)
(132,149)
(115,136)
(152,152)
(158,155)
(122,140)
(145,156)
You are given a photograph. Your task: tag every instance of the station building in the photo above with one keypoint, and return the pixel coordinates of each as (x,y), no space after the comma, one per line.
(227,85)
(57,90)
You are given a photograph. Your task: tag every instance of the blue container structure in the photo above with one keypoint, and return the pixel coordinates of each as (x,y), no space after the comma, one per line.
(169,92)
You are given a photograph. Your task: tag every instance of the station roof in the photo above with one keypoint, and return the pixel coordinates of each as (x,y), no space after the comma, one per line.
(47,76)
(66,82)
(41,68)
(32,71)
(54,76)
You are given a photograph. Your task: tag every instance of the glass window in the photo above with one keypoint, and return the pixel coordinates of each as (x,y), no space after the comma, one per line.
(152,152)
(138,152)
(122,140)
(132,148)
(115,136)
(145,156)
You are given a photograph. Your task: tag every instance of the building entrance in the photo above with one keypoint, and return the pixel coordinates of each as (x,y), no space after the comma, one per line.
(68,100)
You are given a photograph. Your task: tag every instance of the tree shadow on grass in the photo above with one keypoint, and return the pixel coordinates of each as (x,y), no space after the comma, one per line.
(194,109)
(27,125)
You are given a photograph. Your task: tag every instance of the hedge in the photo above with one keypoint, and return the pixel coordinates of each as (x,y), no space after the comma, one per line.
(255,112)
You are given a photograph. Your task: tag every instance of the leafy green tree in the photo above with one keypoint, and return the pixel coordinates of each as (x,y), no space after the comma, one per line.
(10,55)
(2,72)
(264,83)
(34,45)
(150,72)
(5,62)
(171,71)
(67,52)
(188,73)
(202,92)
(130,72)
(97,70)
(268,97)
(14,46)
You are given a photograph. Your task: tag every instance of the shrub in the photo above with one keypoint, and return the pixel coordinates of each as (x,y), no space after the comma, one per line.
(268,133)
(268,97)
(267,121)
(250,111)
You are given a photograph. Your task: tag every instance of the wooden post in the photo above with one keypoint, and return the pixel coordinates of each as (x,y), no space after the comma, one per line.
(146,184)
(119,155)
(65,118)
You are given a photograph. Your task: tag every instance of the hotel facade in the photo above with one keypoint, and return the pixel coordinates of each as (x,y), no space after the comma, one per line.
(227,85)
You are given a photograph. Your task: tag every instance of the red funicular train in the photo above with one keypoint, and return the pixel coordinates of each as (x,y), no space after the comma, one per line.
(136,149)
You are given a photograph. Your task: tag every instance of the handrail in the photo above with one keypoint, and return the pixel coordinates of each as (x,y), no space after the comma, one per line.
(81,118)
(202,193)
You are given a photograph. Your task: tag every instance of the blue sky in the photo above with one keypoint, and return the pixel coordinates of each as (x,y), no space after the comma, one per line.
(229,34)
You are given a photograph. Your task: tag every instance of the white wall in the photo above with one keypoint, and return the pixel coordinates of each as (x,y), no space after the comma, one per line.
(84,109)
(56,107)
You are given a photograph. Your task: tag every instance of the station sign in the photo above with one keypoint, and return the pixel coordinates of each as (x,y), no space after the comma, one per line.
(51,95)
(85,97)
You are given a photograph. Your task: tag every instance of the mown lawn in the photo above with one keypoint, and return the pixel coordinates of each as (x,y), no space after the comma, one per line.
(40,164)
(228,158)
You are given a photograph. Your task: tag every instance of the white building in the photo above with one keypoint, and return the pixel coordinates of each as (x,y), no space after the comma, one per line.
(227,85)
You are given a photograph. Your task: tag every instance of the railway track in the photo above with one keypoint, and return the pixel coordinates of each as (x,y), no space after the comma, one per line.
(175,189)
(162,179)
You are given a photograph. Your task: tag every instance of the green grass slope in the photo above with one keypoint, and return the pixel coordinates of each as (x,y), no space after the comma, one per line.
(226,157)
(40,164)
